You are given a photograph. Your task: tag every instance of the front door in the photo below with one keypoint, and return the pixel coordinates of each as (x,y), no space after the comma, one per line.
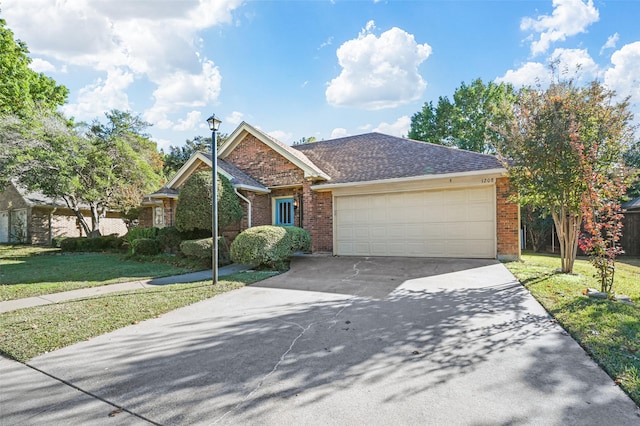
(284,212)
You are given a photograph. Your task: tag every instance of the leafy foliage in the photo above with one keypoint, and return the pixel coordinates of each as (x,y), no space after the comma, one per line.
(101,166)
(269,246)
(602,227)
(145,247)
(21,88)
(469,121)
(193,210)
(169,239)
(178,155)
(550,138)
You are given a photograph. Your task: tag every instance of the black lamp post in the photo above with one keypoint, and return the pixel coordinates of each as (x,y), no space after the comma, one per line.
(214,125)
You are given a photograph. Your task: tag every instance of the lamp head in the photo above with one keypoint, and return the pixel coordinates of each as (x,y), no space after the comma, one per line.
(214,123)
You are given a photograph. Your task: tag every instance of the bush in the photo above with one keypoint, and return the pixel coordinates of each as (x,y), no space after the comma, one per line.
(138,233)
(269,246)
(95,244)
(169,239)
(145,246)
(69,244)
(193,210)
(200,249)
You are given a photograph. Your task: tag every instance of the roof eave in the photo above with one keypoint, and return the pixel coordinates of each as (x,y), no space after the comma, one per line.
(328,186)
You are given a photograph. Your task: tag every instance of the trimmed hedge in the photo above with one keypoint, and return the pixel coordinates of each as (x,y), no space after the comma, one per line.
(145,247)
(95,244)
(269,246)
(200,249)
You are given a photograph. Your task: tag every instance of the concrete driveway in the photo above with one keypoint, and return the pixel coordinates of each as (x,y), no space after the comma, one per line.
(333,341)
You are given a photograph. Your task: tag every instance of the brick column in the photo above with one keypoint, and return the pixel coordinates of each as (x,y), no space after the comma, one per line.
(507,222)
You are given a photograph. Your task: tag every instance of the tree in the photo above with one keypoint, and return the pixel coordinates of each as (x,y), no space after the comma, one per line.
(550,137)
(21,88)
(193,211)
(469,121)
(99,167)
(305,140)
(178,155)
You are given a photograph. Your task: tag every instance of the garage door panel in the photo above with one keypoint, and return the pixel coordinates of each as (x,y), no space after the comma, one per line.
(442,223)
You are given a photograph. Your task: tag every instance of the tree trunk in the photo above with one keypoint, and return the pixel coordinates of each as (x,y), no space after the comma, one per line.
(95,221)
(71,203)
(567,227)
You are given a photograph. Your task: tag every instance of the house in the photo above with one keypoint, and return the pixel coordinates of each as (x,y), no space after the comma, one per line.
(630,240)
(33,218)
(365,195)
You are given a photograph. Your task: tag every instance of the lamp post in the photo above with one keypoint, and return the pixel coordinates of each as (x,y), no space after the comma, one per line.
(214,125)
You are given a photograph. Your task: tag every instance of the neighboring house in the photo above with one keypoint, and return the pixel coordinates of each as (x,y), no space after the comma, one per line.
(365,195)
(33,218)
(630,241)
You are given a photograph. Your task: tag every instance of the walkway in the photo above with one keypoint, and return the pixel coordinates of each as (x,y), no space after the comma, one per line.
(47,299)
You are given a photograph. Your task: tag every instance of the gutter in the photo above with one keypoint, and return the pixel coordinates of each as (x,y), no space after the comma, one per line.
(328,186)
(242,197)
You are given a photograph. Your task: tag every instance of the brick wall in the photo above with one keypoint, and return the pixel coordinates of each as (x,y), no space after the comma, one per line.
(264,164)
(508,222)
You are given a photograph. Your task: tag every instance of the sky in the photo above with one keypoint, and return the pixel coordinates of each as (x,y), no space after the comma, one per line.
(316,68)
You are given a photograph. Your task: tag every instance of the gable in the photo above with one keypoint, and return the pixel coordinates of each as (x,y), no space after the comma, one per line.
(252,143)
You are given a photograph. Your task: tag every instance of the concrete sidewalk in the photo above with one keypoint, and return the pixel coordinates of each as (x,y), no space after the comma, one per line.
(47,299)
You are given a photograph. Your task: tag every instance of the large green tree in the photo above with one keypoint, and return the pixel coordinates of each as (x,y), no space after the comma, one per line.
(469,121)
(554,144)
(96,167)
(21,88)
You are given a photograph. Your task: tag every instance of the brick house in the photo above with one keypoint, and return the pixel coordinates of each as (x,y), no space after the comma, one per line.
(33,218)
(365,195)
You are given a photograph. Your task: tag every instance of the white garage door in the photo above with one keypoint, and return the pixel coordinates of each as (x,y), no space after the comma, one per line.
(443,223)
(4,227)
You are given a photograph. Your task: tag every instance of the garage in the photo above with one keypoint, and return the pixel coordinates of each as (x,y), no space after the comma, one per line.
(431,223)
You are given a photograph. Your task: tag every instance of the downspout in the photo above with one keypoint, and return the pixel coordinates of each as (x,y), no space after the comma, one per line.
(242,197)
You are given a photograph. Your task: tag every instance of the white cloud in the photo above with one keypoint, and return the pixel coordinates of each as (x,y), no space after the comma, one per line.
(40,65)
(282,136)
(163,144)
(339,132)
(569,17)
(192,121)
(326,43)
(378,72)
(529,74)
(102,96)
(234,118)
(182,89)
(575,63)
(611,43)
(623,75)
(153,40)
(399,128)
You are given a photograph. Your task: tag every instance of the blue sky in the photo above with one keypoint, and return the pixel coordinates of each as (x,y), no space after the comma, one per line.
(313,68)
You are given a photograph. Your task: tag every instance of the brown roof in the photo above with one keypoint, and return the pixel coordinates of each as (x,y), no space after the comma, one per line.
(375,156)
(239,177)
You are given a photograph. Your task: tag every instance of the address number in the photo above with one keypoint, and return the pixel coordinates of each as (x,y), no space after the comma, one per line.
(488,180)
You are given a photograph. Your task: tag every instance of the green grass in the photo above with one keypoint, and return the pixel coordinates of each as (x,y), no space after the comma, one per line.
(27,271)
(27,333)
(608,330)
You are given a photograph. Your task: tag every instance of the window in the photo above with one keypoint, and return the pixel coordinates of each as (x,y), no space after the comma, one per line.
(158,217)
(284,212)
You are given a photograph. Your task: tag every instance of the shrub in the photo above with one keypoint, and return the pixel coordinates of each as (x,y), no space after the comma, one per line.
(144,246)
(138,233)
(269,246)
(169,239)
(193,210)
(102,243)
(69,244)
(201,249)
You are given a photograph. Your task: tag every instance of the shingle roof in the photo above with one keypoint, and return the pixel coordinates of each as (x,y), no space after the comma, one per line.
(375,156)
(239,177)
(37,198)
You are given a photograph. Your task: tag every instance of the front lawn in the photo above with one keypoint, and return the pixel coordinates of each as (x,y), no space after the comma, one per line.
(30,332)
(27,271)
(609,331)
